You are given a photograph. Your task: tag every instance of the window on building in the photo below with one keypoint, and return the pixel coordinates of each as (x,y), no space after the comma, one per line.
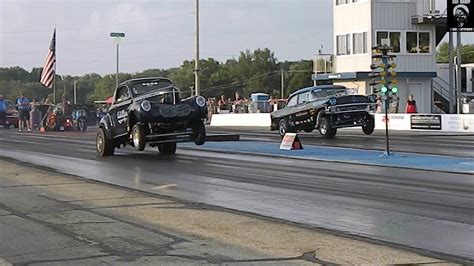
(343,44)
(359,43)
(424,42)
(392,37)
(418,42)
(342,2)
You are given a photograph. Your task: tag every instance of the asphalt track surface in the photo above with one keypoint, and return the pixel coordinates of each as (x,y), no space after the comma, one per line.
(426,210)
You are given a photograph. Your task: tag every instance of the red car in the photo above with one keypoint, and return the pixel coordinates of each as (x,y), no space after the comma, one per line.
(11,115)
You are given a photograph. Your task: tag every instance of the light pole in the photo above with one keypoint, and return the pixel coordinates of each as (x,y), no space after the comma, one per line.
(117,36)
(196,63)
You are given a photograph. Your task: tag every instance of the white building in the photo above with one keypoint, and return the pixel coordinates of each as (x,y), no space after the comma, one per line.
(408,26)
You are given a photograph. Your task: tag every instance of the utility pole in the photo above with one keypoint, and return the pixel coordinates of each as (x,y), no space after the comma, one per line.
(282,83)
(196,63)
(458,72)
(452,99)
(75,92)
(117,36)
(117,70)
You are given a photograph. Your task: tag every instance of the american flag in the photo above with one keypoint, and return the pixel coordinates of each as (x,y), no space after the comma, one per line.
(49,69)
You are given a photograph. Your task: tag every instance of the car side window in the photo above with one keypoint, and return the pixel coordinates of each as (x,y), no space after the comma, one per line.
(303,97)
(292,101)
(122,94)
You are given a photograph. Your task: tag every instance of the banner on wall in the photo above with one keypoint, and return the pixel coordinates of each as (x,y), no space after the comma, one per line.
(460,16)
(431,122)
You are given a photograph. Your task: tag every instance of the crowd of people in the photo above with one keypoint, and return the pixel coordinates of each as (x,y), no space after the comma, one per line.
(224,105)
(29,117)
(394,104)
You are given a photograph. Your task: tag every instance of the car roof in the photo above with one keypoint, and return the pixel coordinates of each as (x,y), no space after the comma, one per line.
(320,87)
(130,81)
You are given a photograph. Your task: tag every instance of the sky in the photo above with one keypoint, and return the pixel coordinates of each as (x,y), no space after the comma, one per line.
(160,33)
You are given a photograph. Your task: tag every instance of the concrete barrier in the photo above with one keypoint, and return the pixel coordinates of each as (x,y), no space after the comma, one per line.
(418,122)
(427,122)
(241,120)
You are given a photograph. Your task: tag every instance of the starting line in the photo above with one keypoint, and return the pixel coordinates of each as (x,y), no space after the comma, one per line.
(348,155)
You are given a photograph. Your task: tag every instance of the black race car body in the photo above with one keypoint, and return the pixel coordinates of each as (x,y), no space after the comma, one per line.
(150,111)
(326,108)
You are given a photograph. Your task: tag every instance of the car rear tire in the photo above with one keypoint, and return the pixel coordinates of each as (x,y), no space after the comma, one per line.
(167,148)
(325,128)
(138,137)
(369,126)
(104,146)
(199,133)
(283,127)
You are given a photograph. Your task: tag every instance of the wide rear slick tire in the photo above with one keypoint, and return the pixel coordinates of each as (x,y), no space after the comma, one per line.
(104,146)
(283,127)
(325,128)
(199,133)
(138,137)
(167,148)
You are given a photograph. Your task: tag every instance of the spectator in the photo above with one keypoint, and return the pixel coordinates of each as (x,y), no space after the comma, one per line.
(24,109)
(3,110)
(394,104)
(379,105)
(411,106)
(223,104)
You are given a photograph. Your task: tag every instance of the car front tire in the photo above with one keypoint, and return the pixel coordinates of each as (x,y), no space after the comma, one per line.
(167,148)
(325,128)
(369,126)
(104,146)
(138,137)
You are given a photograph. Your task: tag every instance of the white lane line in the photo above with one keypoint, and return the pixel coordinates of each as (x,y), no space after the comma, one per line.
(164,186)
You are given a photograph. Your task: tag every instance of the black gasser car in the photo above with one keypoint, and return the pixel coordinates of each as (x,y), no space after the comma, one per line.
(150,111)
(325,108)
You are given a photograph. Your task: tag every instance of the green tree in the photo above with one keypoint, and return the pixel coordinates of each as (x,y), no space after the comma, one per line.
(467,53)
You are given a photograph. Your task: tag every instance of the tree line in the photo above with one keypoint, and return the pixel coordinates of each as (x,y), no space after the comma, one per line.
(252,71)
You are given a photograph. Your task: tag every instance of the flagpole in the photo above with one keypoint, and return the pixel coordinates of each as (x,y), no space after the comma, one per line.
(54,72)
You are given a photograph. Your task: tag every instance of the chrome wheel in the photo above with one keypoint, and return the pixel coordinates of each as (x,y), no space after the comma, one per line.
(136,137)
(282,127)
(100,143)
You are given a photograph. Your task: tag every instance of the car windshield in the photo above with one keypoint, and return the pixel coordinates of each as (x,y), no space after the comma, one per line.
(145,87)
(318,93)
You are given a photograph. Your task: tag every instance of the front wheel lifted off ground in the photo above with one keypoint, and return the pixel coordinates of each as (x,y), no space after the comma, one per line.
(104,146)
(138,137)
(369,126)
(167,148)
(325,128)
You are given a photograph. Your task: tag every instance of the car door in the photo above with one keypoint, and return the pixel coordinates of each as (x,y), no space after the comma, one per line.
(302,111)
(119,110)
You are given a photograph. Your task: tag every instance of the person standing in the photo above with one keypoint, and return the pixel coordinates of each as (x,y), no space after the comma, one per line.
(3,111)
(394,104)
(411,106)
(24,108)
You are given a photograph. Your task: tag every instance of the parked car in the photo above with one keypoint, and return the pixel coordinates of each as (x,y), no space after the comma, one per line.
(325,108)
(150,111)
(12,117)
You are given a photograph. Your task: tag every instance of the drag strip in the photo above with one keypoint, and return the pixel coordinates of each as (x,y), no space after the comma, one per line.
(401,141)
(426,210)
